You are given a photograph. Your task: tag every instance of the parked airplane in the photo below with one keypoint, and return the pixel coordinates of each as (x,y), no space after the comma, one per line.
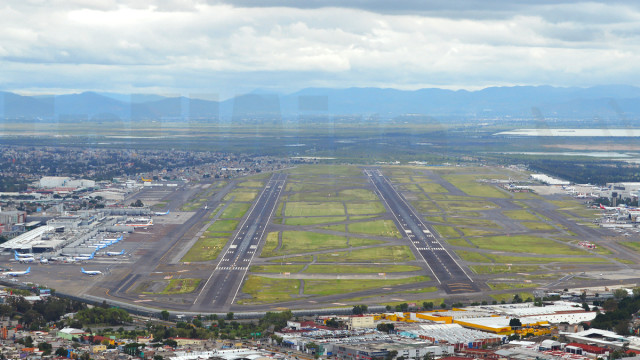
(620,208)
(91,272)
(149,223)
(84,257)
(161,213)
(18,255)
(43,260)
(24,259)
(146,180)
(17,273)
(113,253)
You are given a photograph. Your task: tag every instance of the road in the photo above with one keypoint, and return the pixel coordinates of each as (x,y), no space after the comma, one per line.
(450,275)
(222,286)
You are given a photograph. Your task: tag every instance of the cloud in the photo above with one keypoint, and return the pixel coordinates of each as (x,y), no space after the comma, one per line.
(183,46)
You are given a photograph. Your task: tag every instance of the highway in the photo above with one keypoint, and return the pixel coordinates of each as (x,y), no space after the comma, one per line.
(222,286)
(450,275)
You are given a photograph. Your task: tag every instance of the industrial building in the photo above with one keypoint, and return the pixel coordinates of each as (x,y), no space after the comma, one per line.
(48,182)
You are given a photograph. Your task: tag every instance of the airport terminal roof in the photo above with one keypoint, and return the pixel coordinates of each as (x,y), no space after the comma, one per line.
(26,240)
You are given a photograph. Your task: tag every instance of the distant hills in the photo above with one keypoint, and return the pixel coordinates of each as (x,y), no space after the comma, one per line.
(528,102)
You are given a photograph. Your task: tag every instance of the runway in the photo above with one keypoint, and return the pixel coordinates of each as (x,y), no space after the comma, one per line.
(446,270)
(222,286)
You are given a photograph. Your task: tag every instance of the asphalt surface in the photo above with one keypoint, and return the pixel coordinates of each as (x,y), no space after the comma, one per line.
(446,270)
(222,286)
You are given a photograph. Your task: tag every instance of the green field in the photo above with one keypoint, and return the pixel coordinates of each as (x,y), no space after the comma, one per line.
(377,227)
(205,249)
(471,256)
(251,183)
(241,195)
(333,287)
(475,232)
(266,290)
(235,211)
(456,206)
(358,195)
(360,269)
(509,297)
(296,242)
(276,268)
(469,185)
(501,269)
(537,226)
(525,244)
(271,242)
(510,285)
(301,221)
(432,188)
(378,254)
(181,286)
(452,220)
(314,209)
(224,225)
(333,170)
(446,231)
(631,245)
(520,215)
(364,208)
(458,242)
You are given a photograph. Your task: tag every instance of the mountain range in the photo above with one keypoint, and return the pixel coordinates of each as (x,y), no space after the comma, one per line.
(526,102)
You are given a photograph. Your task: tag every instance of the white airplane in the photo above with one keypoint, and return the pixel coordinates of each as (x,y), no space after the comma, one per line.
(91,272)
(43,260)
(149,223)
(84,257)
(113,253)
(18,255)
(24,259)
(17,273)
(161,213)
(619,208)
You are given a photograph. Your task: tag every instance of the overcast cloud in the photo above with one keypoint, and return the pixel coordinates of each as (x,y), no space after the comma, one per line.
(229,47)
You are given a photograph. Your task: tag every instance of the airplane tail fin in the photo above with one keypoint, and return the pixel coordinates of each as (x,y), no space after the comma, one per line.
(28,270)
(83,271)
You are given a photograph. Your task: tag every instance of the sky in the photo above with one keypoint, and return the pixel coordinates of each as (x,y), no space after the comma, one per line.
(222,48)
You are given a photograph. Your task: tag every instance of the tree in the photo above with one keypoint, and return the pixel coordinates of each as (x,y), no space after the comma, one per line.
(402,307)
(138,203)
(385,327)
(620,294)
(61,352)
(164,315)
(622,328)
(443,305)
(359,309)
(427,305)
(515,322)
(158,357)
(229,316)
(585,306)
(45,348)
